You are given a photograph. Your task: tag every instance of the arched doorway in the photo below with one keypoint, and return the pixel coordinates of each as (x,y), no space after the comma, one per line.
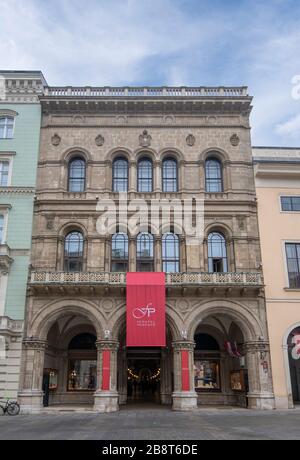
(145,374)
(70,364)
(293,347)
(220,372)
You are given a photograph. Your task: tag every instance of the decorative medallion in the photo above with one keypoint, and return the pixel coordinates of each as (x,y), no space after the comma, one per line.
(107,305)
(99,140)
(55,140)
(190,140)
(145,139)
(235,140)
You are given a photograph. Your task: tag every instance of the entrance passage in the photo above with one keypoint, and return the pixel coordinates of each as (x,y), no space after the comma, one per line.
(143,375)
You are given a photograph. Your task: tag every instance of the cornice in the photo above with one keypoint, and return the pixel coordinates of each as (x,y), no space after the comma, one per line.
(17,190)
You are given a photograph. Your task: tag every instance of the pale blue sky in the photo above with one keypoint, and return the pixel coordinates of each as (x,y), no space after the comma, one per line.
(165,42)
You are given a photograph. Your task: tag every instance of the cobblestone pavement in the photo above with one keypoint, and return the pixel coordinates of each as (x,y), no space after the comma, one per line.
(154,423)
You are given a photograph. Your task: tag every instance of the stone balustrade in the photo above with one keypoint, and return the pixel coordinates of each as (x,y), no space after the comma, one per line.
(186,92)
(172,279)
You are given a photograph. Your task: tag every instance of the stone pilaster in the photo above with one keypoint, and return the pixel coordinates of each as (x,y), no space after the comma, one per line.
(30,395)
(184,395)
(106,397)
(260,394)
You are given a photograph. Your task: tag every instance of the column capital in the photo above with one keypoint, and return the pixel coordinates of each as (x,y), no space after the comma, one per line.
(112,345)
(34,344)
(183,345)
(257,346)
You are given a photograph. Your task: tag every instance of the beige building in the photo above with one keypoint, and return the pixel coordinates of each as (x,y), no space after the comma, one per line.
(278,191)
(186,144)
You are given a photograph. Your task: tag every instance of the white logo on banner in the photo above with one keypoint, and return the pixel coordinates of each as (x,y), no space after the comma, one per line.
(296,350)
(143,312)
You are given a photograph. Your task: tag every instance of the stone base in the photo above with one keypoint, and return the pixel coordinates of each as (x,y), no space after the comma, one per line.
(184,400)
(106,401)
(261,401)
(31,402)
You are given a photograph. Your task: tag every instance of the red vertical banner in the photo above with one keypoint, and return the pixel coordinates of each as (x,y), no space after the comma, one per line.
(105,369)
(145,310)
(185,371)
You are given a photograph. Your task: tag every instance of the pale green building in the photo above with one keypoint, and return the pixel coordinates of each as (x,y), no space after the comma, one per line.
(20,119)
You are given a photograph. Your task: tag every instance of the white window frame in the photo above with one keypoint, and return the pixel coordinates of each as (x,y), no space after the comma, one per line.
(8,156)
(287,284)
(4,211)
(5,116)
(288,196)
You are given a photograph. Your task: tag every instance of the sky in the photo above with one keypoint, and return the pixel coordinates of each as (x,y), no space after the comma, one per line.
(250,43)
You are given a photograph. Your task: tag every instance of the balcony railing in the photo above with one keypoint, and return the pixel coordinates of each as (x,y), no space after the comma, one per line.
(172,279)
(190,92)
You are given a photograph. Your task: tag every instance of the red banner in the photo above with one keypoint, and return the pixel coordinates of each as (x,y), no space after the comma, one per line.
(185,372)
(146,310)
(105,369)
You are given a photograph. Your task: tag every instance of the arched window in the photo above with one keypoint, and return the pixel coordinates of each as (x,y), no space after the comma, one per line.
(6,127)
(145,172)
(119,252)
(1,228)
(213,175)
(120,175)
(74,252)
(170,253)
(170,175)
(77,169)
(145,252)
(217,254)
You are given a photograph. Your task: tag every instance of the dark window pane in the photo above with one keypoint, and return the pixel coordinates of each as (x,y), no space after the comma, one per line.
(77,175)
(293,262)
(169,179)
(213,175)
(145,175)
(74,252)
(145,252)
(170,253)
(119,252)
(217,254)
(120,175)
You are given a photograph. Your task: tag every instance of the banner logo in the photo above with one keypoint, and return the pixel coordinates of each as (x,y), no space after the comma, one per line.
(143,312)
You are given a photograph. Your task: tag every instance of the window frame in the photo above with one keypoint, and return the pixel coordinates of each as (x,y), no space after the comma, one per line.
(148,180)
(167,180)
(124,261)
(7,117)
(115,179)
(212,258)
(285,243)
(289,210)
(219,179)
(79,259)
(4,211)
(166,260)
(7,157)
(72,160)
(145,260)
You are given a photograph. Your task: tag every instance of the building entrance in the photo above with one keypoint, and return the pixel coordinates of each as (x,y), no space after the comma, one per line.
(144,375)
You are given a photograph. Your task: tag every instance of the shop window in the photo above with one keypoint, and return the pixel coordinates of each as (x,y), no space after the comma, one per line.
(82,375)
(207,375)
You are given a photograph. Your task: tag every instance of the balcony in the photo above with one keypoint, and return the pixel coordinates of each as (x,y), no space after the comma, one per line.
(5,259)
(186,283)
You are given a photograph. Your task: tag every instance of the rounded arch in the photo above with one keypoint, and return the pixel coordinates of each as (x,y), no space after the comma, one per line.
(145,153)
(218,227)
(45,318)
(76,152)
(214,152)
(72,227)
(245,319)
(118,327)
(288,332)
(174,153)
(285,350)
(113,154)
(215,333)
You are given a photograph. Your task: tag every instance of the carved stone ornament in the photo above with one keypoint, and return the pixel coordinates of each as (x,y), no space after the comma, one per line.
(235,140)
(55,140)
(145,139)
(99,140)
(190,140)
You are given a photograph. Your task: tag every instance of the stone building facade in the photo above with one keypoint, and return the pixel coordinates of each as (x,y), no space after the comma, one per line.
(20,119)
(153,143)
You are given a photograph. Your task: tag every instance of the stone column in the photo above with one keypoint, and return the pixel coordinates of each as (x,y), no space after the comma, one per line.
(157,177)
(260,394)
(30,395)
(165,377)
(132,185)
(106,397)
(157,253)
(132,254)
(184,395)
(122,376)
